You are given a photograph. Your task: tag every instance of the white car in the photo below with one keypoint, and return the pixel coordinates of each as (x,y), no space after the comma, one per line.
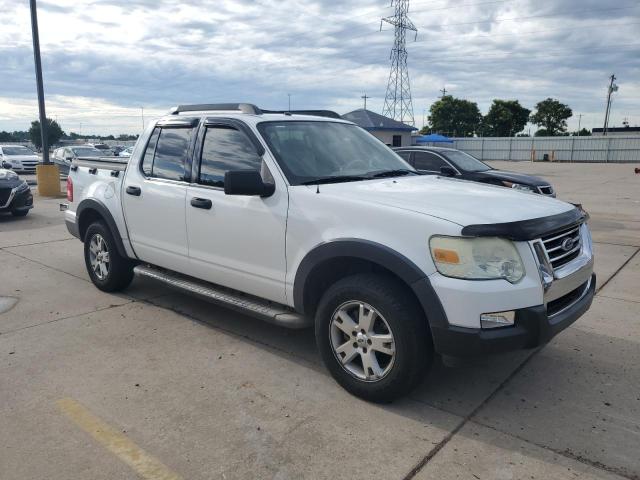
(18,158)
(105,149)
(308,220)
(126,152)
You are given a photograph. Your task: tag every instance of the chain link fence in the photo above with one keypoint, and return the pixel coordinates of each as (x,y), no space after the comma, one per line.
(560,149)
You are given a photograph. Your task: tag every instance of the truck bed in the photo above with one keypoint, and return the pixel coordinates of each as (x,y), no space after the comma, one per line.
(106,163)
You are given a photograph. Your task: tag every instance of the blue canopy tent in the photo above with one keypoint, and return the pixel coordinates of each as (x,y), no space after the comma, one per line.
(433,138)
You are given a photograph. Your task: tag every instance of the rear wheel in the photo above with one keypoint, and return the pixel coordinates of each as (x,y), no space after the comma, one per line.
(373,337)
(109,271)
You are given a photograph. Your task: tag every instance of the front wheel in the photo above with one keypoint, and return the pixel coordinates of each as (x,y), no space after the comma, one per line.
(109,271)
(373,337)
(19,213)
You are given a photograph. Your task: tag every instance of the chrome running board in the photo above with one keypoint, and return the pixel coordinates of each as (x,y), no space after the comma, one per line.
(268,311)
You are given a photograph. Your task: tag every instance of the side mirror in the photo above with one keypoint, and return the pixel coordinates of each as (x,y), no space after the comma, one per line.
(247,182)
(448,171)
(69,159)
(6,165)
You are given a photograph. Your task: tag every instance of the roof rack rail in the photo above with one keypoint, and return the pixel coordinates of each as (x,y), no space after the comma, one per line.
(243,107)
(315,113)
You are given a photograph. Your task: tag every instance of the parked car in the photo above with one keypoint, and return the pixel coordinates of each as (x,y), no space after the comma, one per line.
(116,150)
(19,158)
(126,152)
(104,148)
(306,220)
(15,194)
(64,156)
(459,164)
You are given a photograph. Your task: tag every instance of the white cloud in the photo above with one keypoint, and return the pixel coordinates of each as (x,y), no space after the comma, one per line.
(104,59)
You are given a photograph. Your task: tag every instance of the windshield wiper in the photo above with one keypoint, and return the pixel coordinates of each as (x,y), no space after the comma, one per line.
(335,179)
(393,173)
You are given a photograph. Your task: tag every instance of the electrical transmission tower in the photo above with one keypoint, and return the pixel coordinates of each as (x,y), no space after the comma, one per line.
(397,102)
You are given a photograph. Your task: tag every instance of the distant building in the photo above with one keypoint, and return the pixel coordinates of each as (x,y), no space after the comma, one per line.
(387,130)
(618,131)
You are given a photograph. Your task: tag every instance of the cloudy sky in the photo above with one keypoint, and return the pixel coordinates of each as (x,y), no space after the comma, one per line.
(105,60)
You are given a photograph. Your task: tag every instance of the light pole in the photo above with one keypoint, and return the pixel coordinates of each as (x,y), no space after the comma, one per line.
(47,174)
(289,95)
(38,64)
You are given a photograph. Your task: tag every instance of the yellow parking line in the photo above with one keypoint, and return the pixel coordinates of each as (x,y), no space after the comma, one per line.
(141,462)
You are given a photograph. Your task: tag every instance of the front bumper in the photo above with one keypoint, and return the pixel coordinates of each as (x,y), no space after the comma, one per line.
(19,200)
(533,326)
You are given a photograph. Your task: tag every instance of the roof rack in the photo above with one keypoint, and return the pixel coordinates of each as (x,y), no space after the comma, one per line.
(202,107)
(248,108)
(315,113)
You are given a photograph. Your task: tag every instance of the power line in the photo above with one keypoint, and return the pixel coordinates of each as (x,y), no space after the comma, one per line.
(510,55)
(495,21)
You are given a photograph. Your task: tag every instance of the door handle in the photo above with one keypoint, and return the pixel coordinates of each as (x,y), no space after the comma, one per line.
(135,191)
(204,203)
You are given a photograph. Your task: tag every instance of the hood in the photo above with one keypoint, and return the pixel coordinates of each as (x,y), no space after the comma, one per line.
(512,177)
(8,183)
(459,201)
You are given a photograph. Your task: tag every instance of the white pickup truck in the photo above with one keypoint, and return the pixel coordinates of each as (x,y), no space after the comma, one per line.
(303,219)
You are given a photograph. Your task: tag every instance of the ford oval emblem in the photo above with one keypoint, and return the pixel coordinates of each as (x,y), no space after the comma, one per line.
(567,244)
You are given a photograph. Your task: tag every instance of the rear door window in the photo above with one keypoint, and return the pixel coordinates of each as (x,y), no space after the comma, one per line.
(166,153)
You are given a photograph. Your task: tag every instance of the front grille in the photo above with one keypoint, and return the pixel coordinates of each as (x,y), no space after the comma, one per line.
(547,190)
(559,304)
(563,246)
(5,193)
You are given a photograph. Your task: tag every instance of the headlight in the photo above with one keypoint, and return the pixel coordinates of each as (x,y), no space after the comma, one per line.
(519,186)
(8,175)
(477,258)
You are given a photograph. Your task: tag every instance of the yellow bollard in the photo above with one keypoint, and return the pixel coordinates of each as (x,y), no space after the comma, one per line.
(48,177)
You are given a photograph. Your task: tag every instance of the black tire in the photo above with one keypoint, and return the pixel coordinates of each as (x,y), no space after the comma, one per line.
(19,213)
(120,269)
(404,318)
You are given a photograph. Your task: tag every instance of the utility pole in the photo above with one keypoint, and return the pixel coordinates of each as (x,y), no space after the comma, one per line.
(36,57)
(579,123)
(142,115)
(612,88)
(444,91)
(289,95)
(365,100)
(397,102)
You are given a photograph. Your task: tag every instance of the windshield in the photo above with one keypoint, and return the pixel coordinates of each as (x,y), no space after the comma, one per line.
(466,162)
(309,151)
(86,152)
(19,150)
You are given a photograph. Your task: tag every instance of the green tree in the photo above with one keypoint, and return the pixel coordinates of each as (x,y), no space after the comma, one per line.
(505,118)
(54,133)
(583,132)
(454,116)
(552,116)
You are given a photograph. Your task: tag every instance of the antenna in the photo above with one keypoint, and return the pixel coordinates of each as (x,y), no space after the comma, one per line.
(397,102)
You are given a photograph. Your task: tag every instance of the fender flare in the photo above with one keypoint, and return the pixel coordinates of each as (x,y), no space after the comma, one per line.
(103,211)
(376,253)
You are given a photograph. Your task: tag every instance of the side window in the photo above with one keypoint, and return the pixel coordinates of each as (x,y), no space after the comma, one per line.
(428,161)
(405,155)
(147,161)
(171,153)
(224,149)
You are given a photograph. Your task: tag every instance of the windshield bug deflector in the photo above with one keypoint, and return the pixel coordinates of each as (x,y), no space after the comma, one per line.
(311,152)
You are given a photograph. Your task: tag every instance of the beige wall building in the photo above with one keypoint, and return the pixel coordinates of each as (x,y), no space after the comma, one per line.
(388,131)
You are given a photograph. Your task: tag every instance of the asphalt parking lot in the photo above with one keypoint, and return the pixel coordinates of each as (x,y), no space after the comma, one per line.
(154,384)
